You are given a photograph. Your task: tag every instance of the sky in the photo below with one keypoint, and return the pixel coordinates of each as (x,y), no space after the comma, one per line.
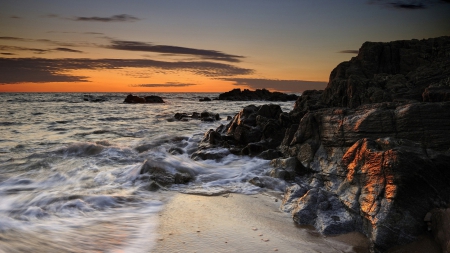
(197,45)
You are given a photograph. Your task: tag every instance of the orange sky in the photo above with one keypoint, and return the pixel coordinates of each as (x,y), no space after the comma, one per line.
(196,46)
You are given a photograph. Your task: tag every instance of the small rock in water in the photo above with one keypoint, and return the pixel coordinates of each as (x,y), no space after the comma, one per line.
(254,229)
(265,240)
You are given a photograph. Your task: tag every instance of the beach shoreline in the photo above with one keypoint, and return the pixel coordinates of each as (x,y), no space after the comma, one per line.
(241,223)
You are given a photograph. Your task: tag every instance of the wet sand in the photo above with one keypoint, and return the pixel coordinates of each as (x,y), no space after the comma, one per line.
(241,223)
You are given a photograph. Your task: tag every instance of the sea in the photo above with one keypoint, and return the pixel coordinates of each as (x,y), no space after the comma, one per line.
(70,176)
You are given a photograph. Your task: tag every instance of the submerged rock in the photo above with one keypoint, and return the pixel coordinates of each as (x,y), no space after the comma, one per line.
(161,176)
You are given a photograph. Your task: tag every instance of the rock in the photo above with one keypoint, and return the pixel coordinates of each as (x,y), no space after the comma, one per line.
(263,94)
(203,116)
(392,71)
(286,169)
(209,154)
(148,99)
(270,154)
(440,227)
(374,143)
(324,211)
(436,94)
(205,99)
(153,99)
(161,176)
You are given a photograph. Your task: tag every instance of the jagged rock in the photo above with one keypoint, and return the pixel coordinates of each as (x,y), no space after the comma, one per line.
(148,99)
(324,211)
(263,94)
(385,72)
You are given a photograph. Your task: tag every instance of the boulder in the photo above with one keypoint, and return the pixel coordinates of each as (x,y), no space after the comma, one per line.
(148,99)
(161,176)
(205,99)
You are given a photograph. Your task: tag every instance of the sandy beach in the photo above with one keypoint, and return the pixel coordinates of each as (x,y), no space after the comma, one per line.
(241,223)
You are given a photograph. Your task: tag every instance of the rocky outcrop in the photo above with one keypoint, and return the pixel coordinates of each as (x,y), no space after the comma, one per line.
(370,153)
(394,71)
(142,100)
(375,143)
(263,94)
(253,130)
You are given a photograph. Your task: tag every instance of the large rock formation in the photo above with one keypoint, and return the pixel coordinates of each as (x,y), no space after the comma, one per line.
(263,94)
(375,142)
(371,152)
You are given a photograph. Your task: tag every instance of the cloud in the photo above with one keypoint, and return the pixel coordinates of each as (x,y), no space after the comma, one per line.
(14,16)
(13,38)
(173,50)
(17,70)
(169,84)
(38,50)
(64,49)
(349,51)
(408,4)
(7,54)
(16,48)
(280,85)
(114,18)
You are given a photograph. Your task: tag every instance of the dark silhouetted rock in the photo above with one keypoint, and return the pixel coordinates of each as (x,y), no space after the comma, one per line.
(148,99)
(204,116)
(205,99)
(263,94)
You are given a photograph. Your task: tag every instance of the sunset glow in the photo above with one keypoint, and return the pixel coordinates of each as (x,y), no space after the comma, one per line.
(200,46)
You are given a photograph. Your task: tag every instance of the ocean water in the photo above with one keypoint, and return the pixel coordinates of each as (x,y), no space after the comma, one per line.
(70,169)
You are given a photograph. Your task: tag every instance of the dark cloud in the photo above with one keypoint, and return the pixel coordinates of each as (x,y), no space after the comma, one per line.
(170,84)
(64,49)
(16,70)
(95,33)
(13,38)
(114,18)
(38,50)
(173,50)
(14,16)
(280,85)
(408,4)
(7,54)
(15,48)
(349,51)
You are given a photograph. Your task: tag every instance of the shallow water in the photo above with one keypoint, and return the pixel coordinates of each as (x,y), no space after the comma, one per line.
(69,169)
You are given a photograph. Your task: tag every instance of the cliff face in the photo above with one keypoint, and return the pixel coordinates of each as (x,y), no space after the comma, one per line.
(375,143)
